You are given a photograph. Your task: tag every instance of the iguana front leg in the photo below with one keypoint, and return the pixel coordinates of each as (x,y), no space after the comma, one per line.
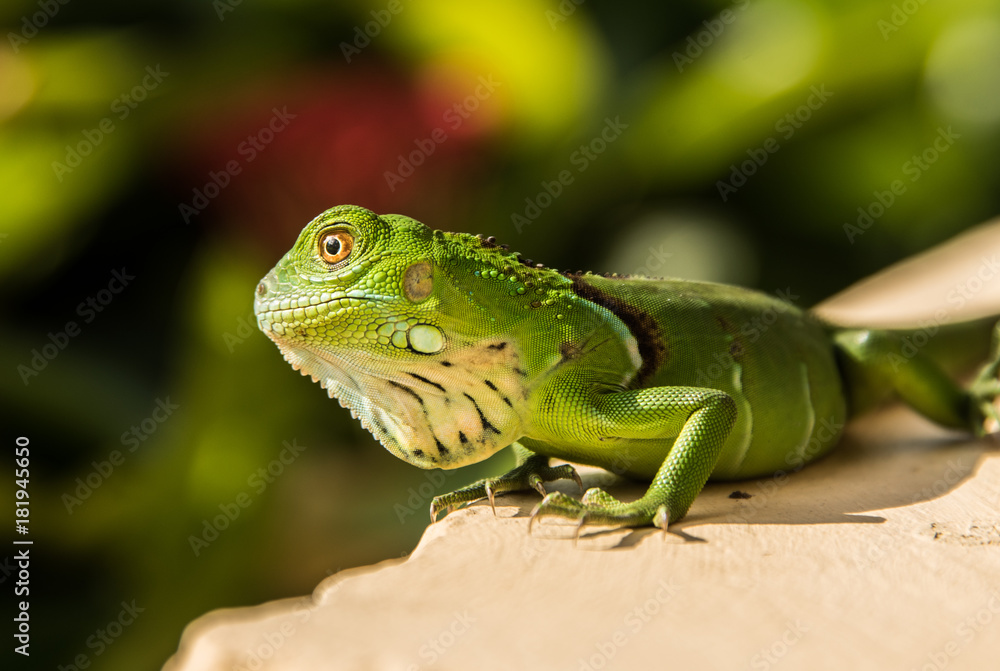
(705,417)
(530,471)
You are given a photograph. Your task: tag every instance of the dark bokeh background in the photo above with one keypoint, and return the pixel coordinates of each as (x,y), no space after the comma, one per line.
(684,95)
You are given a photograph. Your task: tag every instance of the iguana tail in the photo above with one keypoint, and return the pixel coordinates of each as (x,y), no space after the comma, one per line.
(881,324)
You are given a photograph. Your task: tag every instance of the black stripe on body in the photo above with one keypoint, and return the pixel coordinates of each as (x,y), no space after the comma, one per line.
(442,450)
(482,418)
(408,391)
(494,388)
(425,381)
(641,325)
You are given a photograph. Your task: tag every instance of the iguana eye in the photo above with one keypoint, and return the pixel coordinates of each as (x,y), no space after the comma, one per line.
(336,246)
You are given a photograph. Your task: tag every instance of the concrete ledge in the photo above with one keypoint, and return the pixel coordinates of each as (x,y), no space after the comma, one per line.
(885,554)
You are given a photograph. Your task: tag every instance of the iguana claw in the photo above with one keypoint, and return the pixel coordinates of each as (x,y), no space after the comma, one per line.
(437,507)
(579,528)
(661,518)
(491,496)
(564,471)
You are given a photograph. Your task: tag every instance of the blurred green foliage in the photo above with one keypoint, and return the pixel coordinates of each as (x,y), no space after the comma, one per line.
(185,144)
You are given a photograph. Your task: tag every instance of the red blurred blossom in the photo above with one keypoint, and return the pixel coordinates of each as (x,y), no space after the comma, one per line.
(337,135)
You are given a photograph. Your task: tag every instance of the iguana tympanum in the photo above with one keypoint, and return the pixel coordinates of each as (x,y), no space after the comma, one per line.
(448,348)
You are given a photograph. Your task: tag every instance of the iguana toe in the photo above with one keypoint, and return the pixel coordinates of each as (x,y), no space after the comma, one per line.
(599,507)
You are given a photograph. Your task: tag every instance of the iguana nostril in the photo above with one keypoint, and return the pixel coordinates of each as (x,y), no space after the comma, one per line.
(267,285)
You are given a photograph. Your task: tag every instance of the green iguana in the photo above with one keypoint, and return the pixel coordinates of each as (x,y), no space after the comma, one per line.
(448,348)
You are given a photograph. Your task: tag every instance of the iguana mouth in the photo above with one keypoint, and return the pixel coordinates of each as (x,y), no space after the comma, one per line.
(303,311)
(288,306)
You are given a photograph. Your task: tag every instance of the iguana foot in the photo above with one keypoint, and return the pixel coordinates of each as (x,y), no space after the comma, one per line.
(985,390)
(599,507)
(988,397)
(529,475)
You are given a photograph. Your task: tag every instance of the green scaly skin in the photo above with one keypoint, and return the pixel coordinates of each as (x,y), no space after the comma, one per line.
(448,348)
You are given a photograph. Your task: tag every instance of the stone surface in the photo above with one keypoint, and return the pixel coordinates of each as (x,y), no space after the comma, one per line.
(885,554)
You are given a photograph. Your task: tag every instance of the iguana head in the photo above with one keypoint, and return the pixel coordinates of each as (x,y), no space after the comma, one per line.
(371,307)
